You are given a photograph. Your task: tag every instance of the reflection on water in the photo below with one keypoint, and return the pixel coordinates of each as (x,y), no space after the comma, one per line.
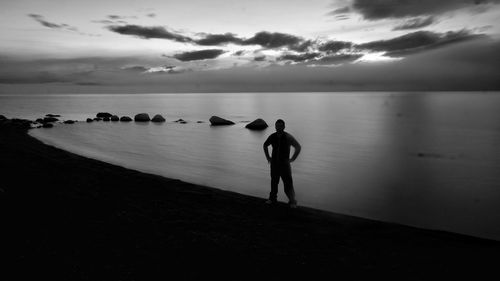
(423,159)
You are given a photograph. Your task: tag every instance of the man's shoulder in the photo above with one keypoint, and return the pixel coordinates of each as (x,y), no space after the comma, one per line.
(291,139)
(271,137)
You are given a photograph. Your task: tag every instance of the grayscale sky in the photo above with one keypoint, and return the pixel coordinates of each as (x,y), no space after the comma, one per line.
(69,46)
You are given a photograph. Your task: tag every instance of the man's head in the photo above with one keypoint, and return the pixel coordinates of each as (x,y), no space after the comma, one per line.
(280,125)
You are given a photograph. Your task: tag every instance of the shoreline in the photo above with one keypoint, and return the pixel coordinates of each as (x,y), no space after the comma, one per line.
(82,219)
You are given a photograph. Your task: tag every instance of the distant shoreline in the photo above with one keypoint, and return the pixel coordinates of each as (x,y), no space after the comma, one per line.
(78,218)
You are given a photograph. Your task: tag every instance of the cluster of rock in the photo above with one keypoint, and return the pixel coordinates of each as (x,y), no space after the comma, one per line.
(257,124)
(141,117)
(49,119)
(14,123)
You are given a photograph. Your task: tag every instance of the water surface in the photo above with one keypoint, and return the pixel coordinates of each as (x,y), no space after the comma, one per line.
(428,159)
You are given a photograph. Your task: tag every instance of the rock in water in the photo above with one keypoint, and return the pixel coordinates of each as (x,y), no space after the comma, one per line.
(47,125)
(89,120)
(257,124)
(217,121)
(50,119)
(69,122)
(52,115)
(158,118)
(142,117)
(106,119)
(125,119)
(114,118)
(104,114)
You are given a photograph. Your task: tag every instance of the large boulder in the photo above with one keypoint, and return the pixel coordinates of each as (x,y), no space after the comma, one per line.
(217,121)
(47,125)
(257,124)
(97,119)
(114,118)
(142,117)
(125,119)
(106,119)
(69,122)
(89,120)
(50,119)
(103,115)
(158,118)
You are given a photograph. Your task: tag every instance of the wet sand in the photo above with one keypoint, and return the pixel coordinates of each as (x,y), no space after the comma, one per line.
(68,217)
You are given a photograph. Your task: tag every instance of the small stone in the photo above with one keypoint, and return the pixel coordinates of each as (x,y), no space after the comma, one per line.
(257,124)
(142,117)
(217,121)
(104,114)
(158,118)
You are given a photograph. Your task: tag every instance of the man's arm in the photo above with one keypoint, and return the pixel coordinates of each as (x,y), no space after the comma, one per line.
(267,143)
(297,148)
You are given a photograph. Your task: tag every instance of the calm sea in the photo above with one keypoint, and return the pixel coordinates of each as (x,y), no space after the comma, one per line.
(426,159)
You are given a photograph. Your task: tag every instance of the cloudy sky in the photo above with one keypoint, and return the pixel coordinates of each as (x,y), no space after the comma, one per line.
(149,46)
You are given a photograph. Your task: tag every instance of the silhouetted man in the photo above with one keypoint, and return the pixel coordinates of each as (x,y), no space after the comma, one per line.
(280,162)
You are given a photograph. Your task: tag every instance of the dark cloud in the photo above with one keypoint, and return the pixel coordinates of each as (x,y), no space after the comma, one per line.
(41,19)
(149,32)
(340,11)
(273,40)
(151,15)
(61,26)
(380,9)
(299,57)
(218,39)
(118,17)
(265,39)
(338,59)
(335,46)
(136,68)
(417,42)
(199,55)
(259,58)
(110,22)
(268,40)
(342,17)
(415,23)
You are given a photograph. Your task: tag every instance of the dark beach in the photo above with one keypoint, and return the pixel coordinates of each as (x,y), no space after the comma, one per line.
(68,217)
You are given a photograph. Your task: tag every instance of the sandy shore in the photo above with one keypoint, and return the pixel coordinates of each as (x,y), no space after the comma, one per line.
(68,217)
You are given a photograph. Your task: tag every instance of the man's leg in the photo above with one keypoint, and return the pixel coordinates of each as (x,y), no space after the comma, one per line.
(286,175)
(275,179)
